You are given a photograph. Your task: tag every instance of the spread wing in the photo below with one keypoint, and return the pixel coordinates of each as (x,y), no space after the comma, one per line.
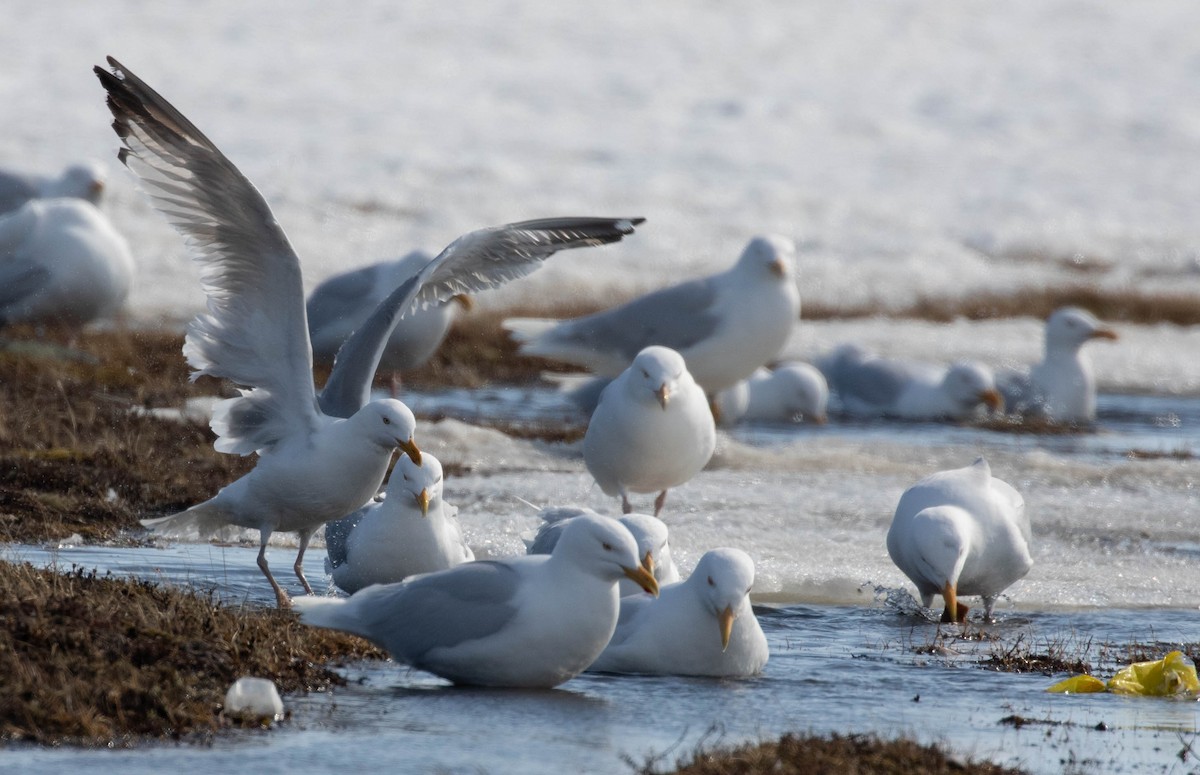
(255,332)
(476,261)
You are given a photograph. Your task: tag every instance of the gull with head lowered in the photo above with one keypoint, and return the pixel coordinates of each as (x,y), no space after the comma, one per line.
(320,458)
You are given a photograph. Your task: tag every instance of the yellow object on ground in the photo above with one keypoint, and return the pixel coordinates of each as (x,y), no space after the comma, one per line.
(1172,675)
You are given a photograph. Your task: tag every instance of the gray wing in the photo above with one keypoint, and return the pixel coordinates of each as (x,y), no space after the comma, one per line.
(16,190)
(467,602)
(586,397)
(19,276)
(677,317)
(857,375)
(254,332)
(474,262)
(337,536)
(554,519)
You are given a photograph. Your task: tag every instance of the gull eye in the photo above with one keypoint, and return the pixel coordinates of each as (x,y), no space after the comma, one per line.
(711,583)
(645,374)
(387,420)
(607,546)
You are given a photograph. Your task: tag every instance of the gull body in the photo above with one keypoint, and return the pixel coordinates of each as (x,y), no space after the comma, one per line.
(652,429)
(703,626)
(61,263)
(533,621)
(725,326)
(1062,387)
(870,385)
(411,531)
(649,532)
(961,532)
(790,391)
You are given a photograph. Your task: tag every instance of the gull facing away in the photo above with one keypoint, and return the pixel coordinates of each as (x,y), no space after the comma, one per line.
(791,391)
(79,181)
(961,532)
(312,467)
(652,429)
(725,326)
(342,304)
(870,385)
(702,626)
(411,531)
(533,621)
(650,533)
(62,264)
(1062,387)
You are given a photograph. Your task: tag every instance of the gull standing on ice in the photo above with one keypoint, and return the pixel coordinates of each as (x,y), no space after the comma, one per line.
(652,430)
(650,533)
(312,467)
(61,263)
(1062,387)
(725,326)
(533,621)
(789,391)
(867,384)
(412,530)
(80,181)
(961,532)
(702,626)
(316,466)
(340,305)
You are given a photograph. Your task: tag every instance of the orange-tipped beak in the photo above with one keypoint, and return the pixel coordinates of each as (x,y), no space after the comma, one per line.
(663,394)
(410,448)
(423,501)
(1105,333)
(954,610)
(643,579)
(992,400)
(778,268)
(726,621)
(464,301)
(96,188)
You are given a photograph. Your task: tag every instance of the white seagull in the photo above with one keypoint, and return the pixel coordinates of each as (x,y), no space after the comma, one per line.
(1062,387)
(533,621)
(651,534)
(791,391)
(961,532)
(313,466)
(79,181)
(702,626)
(652,430)
(412,530)
(61,263)
(725,326)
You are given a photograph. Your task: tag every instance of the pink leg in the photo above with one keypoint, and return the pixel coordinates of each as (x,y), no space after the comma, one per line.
(659,501)
(281,597)
(299,566)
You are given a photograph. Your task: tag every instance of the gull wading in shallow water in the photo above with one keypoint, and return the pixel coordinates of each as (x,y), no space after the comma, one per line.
(652,429)
(533,621)
(725,326)
(1062,387)
(702,626)
(411,531)
(314,465)
(961,532)
(649,532)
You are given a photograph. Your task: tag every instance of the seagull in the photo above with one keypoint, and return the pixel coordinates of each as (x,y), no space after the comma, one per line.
(868,384)
(702,626)
(321,456)
(790,391)
(61,263)
(533,621)
(1062,387)
(342,304)
(725,326)
(80,181)
(652,429)
(412,530)
(649,532)
(961,532)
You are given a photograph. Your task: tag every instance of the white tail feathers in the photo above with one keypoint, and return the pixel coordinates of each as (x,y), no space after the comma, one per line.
(334,613)
(527,331)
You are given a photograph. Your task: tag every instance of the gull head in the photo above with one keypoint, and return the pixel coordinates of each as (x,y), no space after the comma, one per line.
(657,373)
(650,533)
(773,254)
(603,547)
(971,384)
(724,578)
(390,424)
(419,482)
(1069,327)
(84,181)
(803,390)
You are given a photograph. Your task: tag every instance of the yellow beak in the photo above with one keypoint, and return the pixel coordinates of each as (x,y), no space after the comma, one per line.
(954,611)
(778,268)
(1105,333)
(648,562)
(423,502)
(993,400)
(410,448)
(663,394)
(643,579)
(726,622)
